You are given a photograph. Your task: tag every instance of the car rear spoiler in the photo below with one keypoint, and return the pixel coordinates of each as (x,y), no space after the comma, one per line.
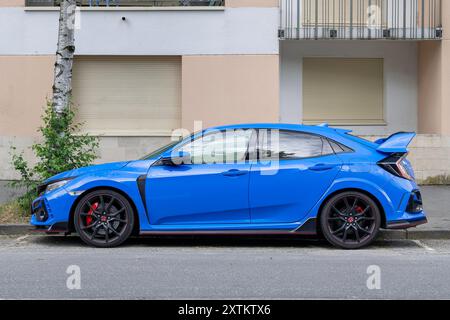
(397,143)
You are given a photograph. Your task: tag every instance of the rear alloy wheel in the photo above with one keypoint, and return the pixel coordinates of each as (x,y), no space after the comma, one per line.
(350,220)
(104,219)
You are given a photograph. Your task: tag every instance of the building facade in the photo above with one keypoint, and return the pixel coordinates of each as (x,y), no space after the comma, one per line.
(144,68)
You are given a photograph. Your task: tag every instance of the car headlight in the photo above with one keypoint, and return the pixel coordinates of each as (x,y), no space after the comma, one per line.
(56,185)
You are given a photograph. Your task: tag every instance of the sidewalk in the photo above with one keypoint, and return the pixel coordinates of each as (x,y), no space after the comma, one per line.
(437,206)
(436,202)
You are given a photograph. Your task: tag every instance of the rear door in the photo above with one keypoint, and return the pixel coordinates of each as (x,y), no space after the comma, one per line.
(292,172)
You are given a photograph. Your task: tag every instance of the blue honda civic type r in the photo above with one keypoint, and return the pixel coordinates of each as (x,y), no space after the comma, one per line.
(242,179)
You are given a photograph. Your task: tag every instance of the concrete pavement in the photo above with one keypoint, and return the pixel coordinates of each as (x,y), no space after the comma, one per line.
(437,206)
(222,268)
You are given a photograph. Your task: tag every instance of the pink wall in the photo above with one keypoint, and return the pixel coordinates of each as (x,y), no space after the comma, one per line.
(430,87)
(227,89)
(251,3)
(25,82)
(12,3)
(434,81)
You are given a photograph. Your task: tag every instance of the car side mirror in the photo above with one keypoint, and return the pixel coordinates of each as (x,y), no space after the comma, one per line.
(176,158)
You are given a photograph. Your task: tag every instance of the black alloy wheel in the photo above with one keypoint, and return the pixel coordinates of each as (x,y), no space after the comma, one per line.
(350,220)
(104,218)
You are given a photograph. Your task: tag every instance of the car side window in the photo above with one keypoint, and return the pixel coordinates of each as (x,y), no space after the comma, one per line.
(338,147)
(291,145)
(219,147)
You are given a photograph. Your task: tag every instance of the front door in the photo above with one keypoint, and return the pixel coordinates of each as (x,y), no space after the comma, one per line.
(211,189)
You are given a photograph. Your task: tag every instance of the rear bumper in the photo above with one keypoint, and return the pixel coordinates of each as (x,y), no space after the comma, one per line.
(410,212)
(406,224)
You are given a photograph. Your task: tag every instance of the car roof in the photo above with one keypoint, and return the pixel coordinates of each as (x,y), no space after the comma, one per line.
(338,134)
(319,129)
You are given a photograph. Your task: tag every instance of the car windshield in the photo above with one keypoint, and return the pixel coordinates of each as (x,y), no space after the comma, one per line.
(160,151)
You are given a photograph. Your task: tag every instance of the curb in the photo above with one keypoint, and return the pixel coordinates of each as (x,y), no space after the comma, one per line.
(414,235)
(24,229)
(428,234)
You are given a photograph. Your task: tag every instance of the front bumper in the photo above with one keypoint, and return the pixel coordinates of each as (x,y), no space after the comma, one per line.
(57,228)
(50,212)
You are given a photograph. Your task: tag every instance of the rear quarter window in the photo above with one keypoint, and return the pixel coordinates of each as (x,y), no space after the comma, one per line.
(339,147)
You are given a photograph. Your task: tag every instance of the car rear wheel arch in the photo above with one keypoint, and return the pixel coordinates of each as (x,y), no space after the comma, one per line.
(133,206)
(331,195)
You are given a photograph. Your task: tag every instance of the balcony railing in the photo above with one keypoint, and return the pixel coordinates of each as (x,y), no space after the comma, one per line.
(360,19)
(130,3)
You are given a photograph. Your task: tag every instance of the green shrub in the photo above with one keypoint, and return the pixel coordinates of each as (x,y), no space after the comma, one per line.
(62,148)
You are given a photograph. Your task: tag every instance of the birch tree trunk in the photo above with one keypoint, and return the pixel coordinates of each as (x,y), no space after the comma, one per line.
(62,86)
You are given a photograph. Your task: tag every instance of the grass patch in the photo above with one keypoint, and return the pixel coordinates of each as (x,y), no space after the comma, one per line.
(437,180)
(13,213)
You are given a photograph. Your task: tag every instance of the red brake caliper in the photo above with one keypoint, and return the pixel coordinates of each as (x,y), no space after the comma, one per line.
(91,211)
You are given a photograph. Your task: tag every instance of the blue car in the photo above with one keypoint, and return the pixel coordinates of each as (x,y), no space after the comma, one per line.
(242,179)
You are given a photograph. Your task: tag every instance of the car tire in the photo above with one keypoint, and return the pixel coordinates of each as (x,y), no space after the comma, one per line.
(104,219)
(350,220)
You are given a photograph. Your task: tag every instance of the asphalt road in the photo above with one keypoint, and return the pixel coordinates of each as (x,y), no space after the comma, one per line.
(221,268)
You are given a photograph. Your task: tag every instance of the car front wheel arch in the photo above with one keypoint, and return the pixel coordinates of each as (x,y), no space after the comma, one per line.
(136,228)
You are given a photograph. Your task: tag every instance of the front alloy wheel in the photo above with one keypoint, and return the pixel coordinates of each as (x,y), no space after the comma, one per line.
(350,220)
(104,218)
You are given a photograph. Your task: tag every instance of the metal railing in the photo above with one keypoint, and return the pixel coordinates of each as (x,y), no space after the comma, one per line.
(360,19)
(129,3)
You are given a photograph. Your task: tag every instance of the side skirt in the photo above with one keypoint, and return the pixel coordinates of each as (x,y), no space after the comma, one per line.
(307,229)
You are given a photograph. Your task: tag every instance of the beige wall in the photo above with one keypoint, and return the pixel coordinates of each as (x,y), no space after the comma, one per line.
(229,89)
(445,71)
(12,3)
(430,88)
(445,107)
(25,82)
(251,3)
(434,81)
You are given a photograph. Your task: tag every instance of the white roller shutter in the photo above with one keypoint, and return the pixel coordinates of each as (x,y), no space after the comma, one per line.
(343,91)
(128,95)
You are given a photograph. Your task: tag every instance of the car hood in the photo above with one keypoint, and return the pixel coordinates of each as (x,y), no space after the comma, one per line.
(89,169)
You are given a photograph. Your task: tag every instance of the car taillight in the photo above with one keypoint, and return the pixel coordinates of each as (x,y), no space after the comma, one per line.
(395,165)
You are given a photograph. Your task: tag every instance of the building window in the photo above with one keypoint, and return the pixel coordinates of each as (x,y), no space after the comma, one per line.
(128,96)
(343,91)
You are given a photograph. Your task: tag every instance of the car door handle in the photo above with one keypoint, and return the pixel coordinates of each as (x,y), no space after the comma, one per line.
(234,173)
(322,167)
